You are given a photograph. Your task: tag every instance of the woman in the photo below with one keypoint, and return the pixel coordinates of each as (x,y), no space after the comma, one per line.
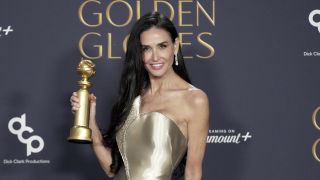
(159,123)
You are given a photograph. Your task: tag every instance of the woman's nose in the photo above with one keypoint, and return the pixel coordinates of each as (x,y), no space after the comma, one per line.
(155,56)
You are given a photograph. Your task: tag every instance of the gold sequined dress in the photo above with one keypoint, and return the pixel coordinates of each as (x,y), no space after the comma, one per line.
(151,146)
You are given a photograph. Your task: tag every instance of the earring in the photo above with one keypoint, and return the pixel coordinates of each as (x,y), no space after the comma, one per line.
(176,60)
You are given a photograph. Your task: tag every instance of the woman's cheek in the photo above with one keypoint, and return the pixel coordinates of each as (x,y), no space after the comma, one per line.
(146,58)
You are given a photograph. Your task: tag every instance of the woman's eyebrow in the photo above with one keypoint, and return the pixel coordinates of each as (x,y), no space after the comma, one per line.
(164,42)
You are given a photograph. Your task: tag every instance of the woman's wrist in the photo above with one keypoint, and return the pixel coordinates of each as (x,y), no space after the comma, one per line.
(95,133)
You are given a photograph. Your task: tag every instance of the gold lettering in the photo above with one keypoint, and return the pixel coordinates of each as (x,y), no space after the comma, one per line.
(314,149)
(110,48)
(314,118)
(211,19)
(155,7)
(184,19)
(109,16)
(181,34)
(205,44)
(317,142)
(181,12)
(80,14)
(138,9)
(81,42)
(125,42)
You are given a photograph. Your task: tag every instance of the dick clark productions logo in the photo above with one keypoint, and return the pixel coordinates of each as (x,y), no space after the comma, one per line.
(312,18)
(23,128)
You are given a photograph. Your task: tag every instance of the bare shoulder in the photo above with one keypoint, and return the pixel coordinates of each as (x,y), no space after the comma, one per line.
(197,97)
(197,103)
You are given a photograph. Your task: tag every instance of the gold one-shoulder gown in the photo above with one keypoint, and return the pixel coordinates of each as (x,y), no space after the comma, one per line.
(151,146)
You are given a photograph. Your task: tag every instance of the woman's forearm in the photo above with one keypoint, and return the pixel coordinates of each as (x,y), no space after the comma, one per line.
(102,152)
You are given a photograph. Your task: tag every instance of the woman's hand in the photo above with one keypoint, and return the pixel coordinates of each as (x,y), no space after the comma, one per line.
(75,105)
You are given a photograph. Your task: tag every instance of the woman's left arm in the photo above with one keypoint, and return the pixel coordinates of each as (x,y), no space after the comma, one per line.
(198,125)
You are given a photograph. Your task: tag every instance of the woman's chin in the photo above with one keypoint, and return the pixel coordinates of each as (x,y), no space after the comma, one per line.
(156,75)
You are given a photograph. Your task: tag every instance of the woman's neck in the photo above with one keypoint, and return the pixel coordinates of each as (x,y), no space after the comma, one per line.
(160,84)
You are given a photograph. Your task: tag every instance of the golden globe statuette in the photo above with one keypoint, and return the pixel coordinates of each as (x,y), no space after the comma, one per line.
(80,132)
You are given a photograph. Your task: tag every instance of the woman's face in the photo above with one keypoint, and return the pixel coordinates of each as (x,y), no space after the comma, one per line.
(158,51)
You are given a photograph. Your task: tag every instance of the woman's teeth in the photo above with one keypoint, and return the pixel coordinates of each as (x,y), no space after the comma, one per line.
(156,66)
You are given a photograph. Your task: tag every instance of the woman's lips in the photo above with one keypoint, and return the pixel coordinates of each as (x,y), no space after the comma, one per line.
(157,66)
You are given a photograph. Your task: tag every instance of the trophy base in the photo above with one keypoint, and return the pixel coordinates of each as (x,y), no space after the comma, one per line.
(80,134)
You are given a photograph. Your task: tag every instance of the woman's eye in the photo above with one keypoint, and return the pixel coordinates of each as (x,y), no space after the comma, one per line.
(162,46)
(145,49)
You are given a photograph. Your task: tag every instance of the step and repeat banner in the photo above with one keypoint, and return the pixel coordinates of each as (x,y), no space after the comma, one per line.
(258,61)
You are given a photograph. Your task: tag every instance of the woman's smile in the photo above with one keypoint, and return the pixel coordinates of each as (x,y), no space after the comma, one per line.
(157,66)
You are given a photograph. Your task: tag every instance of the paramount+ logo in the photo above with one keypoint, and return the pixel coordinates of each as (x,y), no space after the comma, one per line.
(19,131)
(316,144)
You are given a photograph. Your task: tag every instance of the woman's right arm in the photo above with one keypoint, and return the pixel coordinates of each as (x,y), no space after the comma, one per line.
(102,152)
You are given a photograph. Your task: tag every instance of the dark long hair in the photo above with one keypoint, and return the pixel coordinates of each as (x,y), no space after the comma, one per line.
(135,79)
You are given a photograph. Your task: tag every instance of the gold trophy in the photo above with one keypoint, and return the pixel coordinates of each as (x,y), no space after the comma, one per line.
(80,132)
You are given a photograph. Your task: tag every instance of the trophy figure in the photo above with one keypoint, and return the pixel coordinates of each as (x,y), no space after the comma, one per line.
(80,132)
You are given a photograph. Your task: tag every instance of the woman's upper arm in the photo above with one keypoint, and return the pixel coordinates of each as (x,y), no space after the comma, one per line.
(198,125)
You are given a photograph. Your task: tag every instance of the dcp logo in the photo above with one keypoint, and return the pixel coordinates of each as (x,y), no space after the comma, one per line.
(22,122)
(312,19)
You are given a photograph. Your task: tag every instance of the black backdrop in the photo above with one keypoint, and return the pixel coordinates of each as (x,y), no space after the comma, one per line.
(261,82)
